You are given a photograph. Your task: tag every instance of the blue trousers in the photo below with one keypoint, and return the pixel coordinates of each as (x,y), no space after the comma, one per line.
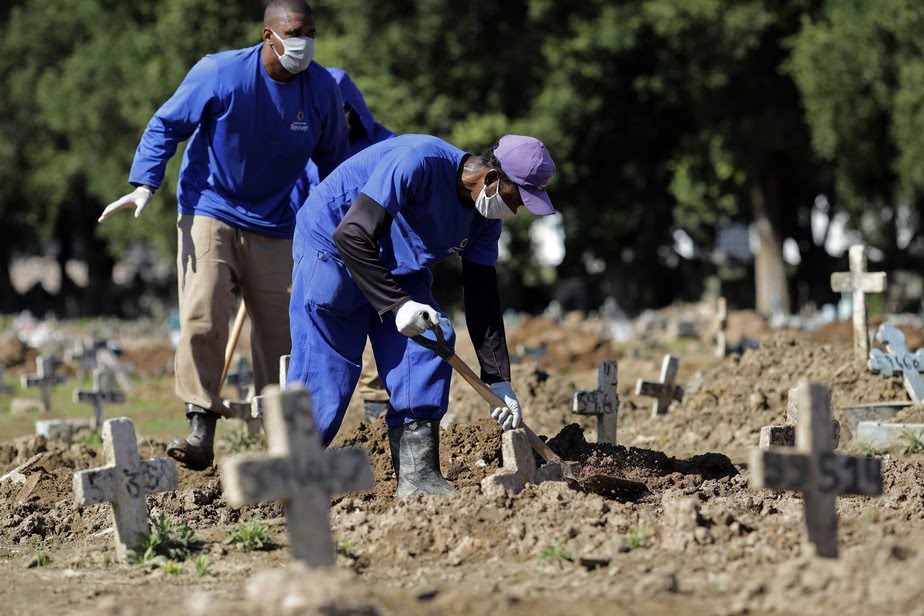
(330,320)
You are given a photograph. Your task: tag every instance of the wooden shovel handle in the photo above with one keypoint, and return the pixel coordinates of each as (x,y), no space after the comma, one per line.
(494,400)
(232,341)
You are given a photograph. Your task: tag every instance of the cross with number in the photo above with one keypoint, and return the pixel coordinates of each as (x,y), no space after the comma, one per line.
(124,482)
(602,402)
(899,359)
(664,391)
(813,468)
(103,392)
(859,282)
(298,472)
(44,378)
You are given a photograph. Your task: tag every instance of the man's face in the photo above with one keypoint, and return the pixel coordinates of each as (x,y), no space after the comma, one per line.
(287,25)
(510,192)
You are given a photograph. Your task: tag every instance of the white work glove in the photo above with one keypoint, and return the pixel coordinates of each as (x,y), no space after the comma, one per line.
(409,318)
(139,198)
(507,416)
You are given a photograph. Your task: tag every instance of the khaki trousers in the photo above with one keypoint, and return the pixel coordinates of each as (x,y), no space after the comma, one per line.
(213,257)
(370,384)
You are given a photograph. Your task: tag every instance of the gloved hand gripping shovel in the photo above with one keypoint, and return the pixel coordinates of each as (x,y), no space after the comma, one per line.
(606,485)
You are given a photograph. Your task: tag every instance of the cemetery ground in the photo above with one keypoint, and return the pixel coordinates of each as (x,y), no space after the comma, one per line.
(701,538)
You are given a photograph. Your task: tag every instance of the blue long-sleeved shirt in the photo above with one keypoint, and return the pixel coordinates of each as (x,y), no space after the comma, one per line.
(250,138)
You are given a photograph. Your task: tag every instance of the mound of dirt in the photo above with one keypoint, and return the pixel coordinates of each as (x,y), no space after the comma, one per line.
(565,348)
(745,392)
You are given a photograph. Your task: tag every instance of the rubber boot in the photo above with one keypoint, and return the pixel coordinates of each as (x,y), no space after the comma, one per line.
(196,451)
(374,409)
(415,454)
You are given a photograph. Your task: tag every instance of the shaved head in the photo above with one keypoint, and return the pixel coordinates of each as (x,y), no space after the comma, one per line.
(279,9)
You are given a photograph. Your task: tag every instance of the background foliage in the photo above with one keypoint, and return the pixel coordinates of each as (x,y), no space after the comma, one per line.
(663,115)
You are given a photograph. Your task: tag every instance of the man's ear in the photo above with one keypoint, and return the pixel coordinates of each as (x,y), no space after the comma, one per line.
(267,36)
(491,176)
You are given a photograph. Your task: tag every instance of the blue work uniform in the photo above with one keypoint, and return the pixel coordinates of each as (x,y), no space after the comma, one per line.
(414,178)
(250,138)
(372,132)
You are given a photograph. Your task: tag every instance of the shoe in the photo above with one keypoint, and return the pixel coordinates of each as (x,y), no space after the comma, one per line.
(415,454)
(374,409)
(196,452)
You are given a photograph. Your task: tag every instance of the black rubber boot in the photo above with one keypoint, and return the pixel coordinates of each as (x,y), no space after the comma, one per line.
(196,452)
(374,409)
(415,454)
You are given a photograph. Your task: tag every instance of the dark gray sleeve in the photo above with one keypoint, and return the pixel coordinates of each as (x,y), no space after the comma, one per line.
(485,321)
(357,239)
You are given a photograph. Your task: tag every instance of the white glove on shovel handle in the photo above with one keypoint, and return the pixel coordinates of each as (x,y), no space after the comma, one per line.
(139,198)
(507,416)
(409,318)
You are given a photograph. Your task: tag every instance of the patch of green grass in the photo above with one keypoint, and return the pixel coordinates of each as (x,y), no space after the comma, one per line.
(555,551)
(637,538)
(343,548)
(912,442)
(92,439)
(171,567)
(868,449)
(240,442)
(165,542)
(250,535)
(203,565)
(42,559)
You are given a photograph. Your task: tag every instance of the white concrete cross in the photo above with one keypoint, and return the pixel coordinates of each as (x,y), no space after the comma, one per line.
(106,358)
(257,402)
(785,435)
(83,355)
(812,467)
(124,481)
(898,360)
(664,391)
(44,378)
(721,324)
(103,392)
(242,379)
(5,388)
(519,466)
(602,402)
(859,282)
(298,472)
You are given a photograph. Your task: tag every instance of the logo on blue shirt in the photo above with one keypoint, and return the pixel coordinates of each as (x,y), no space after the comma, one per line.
(299,124)
(459,248)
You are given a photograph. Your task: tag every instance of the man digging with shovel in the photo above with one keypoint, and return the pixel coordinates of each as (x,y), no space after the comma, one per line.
(364,241)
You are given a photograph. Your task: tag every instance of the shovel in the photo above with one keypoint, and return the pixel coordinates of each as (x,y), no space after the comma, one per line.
(605,485)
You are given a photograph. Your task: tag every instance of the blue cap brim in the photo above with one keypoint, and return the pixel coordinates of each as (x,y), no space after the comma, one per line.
(536,201)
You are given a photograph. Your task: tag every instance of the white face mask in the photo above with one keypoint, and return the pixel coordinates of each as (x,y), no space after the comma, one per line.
(492,207)
(299,51)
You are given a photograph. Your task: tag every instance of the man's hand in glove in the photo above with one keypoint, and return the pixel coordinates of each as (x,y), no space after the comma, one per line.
(139,198)
(409,318)
(507,416)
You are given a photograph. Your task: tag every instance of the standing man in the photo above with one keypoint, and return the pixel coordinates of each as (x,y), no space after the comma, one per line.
(253,118)
(364,131)
(363,244)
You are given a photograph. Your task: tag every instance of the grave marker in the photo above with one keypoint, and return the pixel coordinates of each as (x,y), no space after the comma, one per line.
(785,435)
(242,379)
(898,360)
(83,356)
(5,388)
(124,482)
(815,470)
(297,471)
(103,392)
(859,282)
(257,402)
(519,466)
(664,391)
(721,325)
(602,402)
(44,378)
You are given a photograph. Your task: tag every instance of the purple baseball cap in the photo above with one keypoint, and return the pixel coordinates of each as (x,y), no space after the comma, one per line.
(530,166)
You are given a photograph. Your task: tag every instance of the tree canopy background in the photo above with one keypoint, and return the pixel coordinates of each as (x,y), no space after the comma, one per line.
(663,116)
